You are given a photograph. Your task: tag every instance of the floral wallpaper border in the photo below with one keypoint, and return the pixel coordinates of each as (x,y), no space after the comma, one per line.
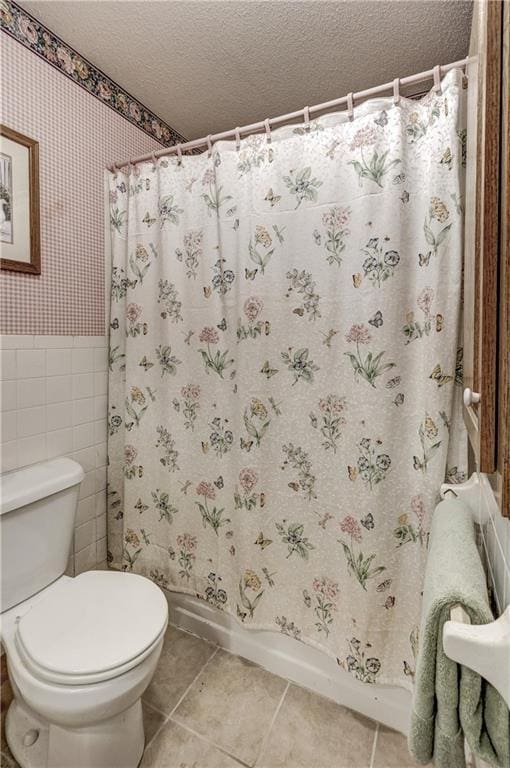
(24,28)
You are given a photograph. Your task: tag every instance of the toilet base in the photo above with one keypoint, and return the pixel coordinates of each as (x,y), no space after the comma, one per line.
(21,723)
(114,743)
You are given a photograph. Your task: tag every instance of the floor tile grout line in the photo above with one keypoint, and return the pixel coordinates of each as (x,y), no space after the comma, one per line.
(211,657)
(271,724)
(374,746)
(181,699)
(154,709)
(208,741)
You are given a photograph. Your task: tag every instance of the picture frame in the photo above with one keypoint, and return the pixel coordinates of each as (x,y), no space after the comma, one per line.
(19,203)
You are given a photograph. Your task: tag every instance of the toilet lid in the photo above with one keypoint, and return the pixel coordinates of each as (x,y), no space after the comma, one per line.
(96,622)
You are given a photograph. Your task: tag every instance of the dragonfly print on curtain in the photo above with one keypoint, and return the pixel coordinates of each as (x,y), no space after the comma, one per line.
(285,370)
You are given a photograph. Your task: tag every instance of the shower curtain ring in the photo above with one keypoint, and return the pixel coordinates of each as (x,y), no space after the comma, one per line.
(437,78)
(179,154)
(350,106)
(209,145)
(238,139)
(268,130)
(396,91)
(306,116)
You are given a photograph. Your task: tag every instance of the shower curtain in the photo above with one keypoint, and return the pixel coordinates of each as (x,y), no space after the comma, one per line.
(285,368)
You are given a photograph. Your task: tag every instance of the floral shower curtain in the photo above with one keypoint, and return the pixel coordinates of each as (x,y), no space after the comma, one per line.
(285,369)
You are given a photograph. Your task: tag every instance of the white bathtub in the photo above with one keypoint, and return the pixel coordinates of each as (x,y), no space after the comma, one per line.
(293,660)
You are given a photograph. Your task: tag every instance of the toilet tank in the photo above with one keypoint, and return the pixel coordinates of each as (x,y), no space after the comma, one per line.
(37,510)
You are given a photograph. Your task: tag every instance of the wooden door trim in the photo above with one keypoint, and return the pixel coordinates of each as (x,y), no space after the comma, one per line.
(503,437)
(489,304)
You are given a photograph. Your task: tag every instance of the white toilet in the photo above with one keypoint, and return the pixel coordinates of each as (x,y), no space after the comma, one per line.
(80,651)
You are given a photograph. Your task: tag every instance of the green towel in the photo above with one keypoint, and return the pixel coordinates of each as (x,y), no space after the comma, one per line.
(451,701)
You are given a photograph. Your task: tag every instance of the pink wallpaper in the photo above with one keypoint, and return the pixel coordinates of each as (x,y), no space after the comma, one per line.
(78,136)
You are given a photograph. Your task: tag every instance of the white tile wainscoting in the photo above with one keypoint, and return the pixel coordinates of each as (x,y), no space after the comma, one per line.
(495,537)
(495,551)
(54,403)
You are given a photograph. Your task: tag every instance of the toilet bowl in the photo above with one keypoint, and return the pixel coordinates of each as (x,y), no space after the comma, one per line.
(80,653)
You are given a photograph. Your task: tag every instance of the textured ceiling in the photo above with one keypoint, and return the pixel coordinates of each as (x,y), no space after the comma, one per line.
(208,65)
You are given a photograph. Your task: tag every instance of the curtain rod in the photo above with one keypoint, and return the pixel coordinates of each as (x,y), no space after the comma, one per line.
(304,113)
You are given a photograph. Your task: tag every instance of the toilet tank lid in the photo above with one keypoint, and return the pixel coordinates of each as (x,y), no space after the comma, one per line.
(24,486)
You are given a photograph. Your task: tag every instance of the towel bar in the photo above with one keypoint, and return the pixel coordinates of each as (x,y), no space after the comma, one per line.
(470,493)
(485,648)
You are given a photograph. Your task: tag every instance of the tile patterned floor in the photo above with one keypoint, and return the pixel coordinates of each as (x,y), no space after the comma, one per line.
(217,710)
(209,709)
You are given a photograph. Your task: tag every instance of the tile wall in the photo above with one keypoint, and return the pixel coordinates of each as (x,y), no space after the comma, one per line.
(496,546)
(53,402)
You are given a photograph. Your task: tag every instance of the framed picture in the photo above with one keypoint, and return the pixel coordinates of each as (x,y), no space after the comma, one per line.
(19,202)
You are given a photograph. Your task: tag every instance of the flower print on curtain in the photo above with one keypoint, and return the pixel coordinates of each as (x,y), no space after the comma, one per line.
(285,370)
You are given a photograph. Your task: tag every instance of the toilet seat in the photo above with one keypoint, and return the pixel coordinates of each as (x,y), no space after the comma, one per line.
(92,628)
